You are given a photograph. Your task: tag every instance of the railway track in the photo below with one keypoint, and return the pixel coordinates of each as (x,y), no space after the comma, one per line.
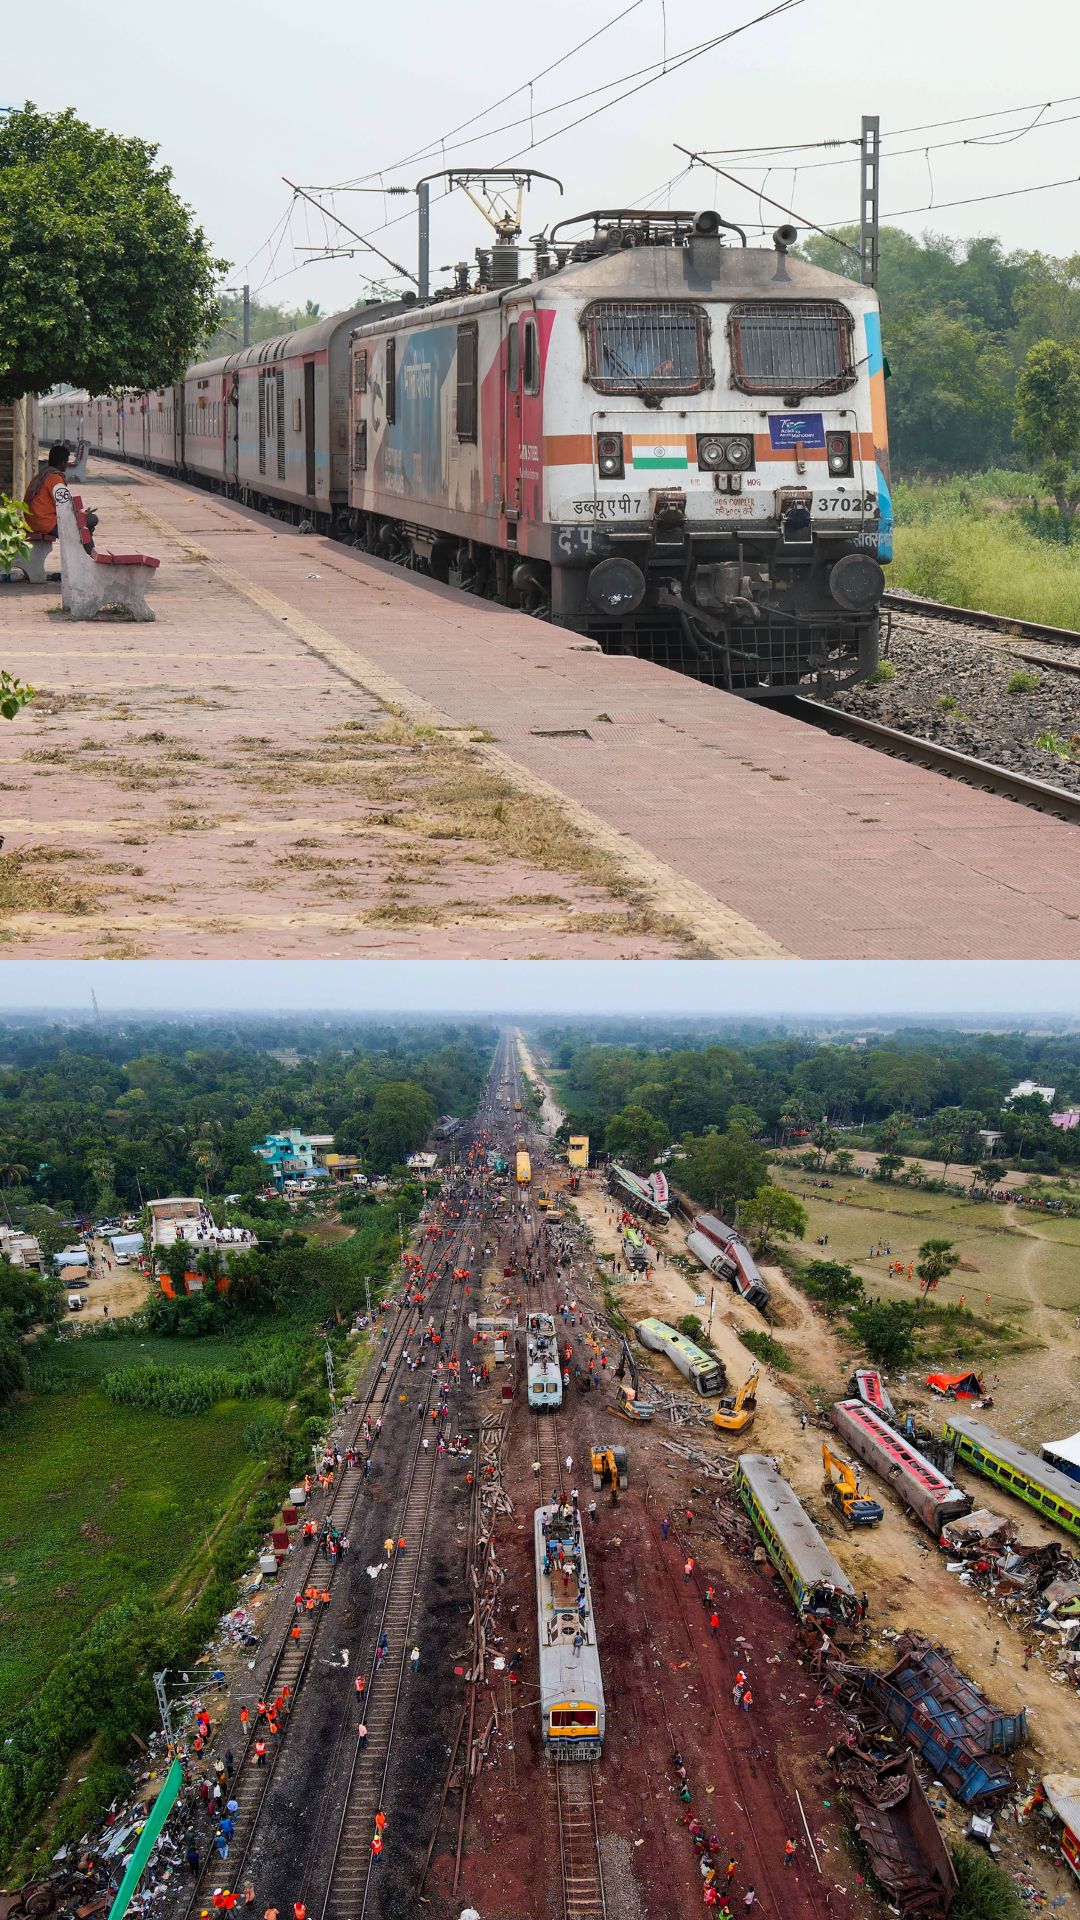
(579,1842)
(918,751)
(993,622)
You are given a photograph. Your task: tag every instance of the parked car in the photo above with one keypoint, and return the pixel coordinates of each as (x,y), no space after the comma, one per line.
(76,1303)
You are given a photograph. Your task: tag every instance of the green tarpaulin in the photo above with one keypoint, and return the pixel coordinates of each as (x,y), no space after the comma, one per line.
(147,1840)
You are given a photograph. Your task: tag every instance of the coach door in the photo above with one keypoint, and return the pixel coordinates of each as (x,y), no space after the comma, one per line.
(309,428)
(512,427)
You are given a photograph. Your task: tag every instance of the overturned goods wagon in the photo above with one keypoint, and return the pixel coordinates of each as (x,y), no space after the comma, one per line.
(950,1721)
(895,1821)
(1016,1469)
(931,1497)
(819,1588)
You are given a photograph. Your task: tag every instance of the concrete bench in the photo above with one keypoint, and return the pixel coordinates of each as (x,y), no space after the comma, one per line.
(33,567)
(93,581)
(76,467)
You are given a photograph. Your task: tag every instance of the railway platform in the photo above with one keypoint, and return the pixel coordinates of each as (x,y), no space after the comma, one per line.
(328,754)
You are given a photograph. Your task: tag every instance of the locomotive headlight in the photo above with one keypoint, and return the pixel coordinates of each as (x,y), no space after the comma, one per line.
(838,452)
(710,450)
(740,451)
(609,455)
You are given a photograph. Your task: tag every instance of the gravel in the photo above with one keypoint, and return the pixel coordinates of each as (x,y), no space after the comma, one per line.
(938,661)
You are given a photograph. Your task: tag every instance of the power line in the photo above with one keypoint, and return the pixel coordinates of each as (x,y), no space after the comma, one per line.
(424,153)
(1008,193)
(981,141)
(761,195)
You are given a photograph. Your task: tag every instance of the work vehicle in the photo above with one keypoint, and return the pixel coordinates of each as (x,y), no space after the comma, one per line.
(637,1253)
(931,1496)
(675,444)
(727,1257)
(572,1714)
(841,1490)
(75,1303)
(819,1588)
(543,1200)
(609,1469)
(523,1168)
(704,1372)
(628,1400)
(1051,1492)
(735,1414)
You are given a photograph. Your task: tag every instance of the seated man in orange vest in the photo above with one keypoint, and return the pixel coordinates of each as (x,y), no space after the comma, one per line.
(40,505)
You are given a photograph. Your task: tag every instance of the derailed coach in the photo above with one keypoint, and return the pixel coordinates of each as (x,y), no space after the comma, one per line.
(671,443)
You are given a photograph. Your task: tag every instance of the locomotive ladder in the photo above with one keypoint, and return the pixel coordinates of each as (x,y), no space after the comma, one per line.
(579,1841)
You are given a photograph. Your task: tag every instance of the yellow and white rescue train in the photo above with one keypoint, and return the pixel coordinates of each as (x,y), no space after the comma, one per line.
(673,444)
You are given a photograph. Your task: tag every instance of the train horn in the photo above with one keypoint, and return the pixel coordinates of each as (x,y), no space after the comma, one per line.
(785,237)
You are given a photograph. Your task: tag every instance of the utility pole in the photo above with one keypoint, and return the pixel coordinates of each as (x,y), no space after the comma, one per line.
(869,168)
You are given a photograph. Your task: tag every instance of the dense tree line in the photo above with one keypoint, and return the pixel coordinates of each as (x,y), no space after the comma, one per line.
(93,1118)
(940,1088)
(959,319)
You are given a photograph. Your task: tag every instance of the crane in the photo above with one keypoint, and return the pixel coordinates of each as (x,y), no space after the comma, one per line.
(735,1412)
(841,1490)
(628,1400)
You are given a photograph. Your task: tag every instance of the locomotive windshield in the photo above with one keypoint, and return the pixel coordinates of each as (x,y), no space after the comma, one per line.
(788,347)
(644,346)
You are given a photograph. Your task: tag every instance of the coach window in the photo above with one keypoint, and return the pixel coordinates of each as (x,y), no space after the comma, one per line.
(791,347)
(391,382)
(648,347)
(360,372)
(467,383)
(513,357)
(530,358)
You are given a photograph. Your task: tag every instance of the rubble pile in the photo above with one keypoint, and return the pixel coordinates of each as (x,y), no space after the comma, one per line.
(1033,1584)
(908,1855)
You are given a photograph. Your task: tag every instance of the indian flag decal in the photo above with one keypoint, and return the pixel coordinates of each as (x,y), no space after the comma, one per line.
(659,450)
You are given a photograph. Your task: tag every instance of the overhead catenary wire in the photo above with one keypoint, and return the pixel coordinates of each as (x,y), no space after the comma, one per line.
(803,219)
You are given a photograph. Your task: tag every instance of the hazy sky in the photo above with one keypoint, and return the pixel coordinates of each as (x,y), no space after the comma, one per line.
(802,990)
(239,92)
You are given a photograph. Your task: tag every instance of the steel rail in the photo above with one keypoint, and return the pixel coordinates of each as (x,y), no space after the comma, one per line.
(963,767)
(969,617)
(250,1784)
(579,1842)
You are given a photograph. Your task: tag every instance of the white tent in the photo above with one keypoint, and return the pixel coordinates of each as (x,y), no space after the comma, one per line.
(1064,1454)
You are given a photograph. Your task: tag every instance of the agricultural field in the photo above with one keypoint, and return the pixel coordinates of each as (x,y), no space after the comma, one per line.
(104,1501)
(1015,1266)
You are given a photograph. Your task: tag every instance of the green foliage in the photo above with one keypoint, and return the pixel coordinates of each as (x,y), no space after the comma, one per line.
(1048,418)
(771,1216)
(722,1170)
(979,557)
(14,529)
(885,1329)
(937,1259)
(984,1891)
(834,1284)
(268,1439)
(402,1117)
(764,1347)
(265,322)
(1022,682)
(691,1327)
(191,1390)
(104,279)
(635,1136)
(881,674)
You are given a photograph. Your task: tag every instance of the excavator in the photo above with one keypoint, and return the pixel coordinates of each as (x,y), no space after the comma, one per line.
(841,1490)
(628,1399)
(609,1469)
(735,1413)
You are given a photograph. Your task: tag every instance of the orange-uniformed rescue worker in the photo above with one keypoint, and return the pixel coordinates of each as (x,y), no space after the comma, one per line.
(40,505)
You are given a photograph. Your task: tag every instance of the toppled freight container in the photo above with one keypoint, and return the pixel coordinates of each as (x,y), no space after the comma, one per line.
(908,1854)
(948,1719)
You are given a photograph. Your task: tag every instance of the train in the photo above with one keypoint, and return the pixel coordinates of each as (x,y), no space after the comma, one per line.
(704,1372)
(543,1371)
(924,1490)
(1020,1472)
(523,1168)
(651,433)
(819,1588)
(572,1711)
(728,1257)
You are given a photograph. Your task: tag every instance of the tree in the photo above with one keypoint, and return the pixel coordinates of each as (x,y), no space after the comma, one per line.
(105,281)
(888,1165)
(844,1160)
(13,1368)
(937,1258)
(402,1116)
(691,1328)
(772,1215)
(723,1169)
(914,1173)
(832,1283)
(636,1136)
(826,1140)
(885,1328)
(1048,419)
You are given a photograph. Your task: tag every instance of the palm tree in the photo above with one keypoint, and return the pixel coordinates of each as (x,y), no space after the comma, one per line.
(12,1174)
(937,1258)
